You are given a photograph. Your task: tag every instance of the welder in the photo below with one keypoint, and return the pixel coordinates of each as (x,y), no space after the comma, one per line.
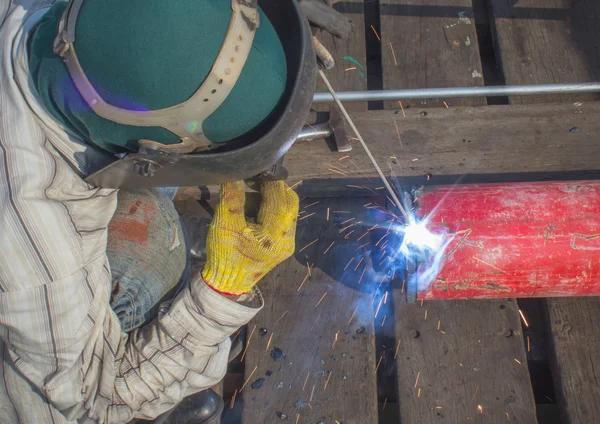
(105,108)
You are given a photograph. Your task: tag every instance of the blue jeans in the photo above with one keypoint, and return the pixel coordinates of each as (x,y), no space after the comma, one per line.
(148,252)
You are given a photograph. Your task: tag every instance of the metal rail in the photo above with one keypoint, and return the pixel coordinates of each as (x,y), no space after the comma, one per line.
(447,93)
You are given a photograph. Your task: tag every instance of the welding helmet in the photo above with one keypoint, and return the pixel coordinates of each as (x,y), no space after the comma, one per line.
(195,159)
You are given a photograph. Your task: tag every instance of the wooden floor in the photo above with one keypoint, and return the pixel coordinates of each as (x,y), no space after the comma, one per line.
(353,350)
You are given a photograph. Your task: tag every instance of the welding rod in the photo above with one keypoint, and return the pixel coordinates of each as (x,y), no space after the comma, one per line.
(447,93)
(364,145)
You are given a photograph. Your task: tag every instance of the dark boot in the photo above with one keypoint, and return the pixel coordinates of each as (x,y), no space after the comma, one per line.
(204,407)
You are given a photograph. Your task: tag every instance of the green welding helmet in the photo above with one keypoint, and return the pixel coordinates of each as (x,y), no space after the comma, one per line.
(196,159)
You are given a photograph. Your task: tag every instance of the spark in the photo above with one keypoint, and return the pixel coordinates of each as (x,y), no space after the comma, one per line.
(393,53)
(384,403)
(403,284)
(249,377)
(476,258)
(354,186)
(524,320)
(303,281)
(480,409)
(402,108)
(281,317)
(306,216)
(528,344)
(345,228)
(322,297)
(348,220)
(297,418)
(312,392)
(327,382)
(376,313)
(382,237)
(233,399)
(419,393)
(309,244)
(391,201)
(422,300)
(342,212)
(335,339)
(350,69)
(366,232)
(347,236)
(344,157)
(375,31)
(361,275)
(417,380)
(425,314)
(378,363)
(315,323)
(446,104)
(439,323)
(248,344)
(327,214)
(517,361)
(348,264)
(308,269)
(327,250)
(399,138)
(383,322)
(312,204)
(359,262)
(353,313)
(269,342)
(507,416)
(475,394)
(339,172)
(295,185)
(306,380)
(385,298)
(397,349)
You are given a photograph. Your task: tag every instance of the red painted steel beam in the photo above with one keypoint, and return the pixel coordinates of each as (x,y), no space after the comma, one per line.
(516,240)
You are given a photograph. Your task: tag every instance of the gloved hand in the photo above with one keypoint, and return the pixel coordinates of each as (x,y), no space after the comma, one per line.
(321,15)
(240,253)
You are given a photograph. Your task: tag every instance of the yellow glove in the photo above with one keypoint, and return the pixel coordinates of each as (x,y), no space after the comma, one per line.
(240,253)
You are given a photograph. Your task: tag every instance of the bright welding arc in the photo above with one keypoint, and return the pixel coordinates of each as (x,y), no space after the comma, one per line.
(365,147)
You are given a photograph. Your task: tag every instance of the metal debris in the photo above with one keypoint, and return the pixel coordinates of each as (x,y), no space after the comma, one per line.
(263,331)
(575,130)
(343,354)
(269,373)
(258,383)
(278,386)
(300,404)
(415,334)
(335,358)
(277,353)
(361,330)
(281,415)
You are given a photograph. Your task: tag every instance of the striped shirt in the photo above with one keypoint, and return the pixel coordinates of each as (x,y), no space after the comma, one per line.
(64,356)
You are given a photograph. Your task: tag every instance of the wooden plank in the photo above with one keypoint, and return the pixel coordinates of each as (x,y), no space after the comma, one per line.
(434,45)
(576,342)
(445,375)
(548,41)
(350,53)
(492,143)
(306,332)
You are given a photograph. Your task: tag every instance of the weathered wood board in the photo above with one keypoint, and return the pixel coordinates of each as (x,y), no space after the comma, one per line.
(547,42)
(320,378)
(576,357)
(492,143)
(433,44)
(468,370)
(350,53)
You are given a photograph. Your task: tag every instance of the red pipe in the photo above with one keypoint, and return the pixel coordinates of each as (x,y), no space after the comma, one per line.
(516,240)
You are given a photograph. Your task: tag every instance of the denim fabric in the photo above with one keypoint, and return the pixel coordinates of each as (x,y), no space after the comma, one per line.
(148,253)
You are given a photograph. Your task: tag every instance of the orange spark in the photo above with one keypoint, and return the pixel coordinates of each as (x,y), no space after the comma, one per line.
(327,382)
(233,399)
(327,250)
(309,244)
(335,339)
(517,361)
(312,392)
(348,220)
(327,214)
(419,393)
(297,418)
(249,377)
(312,204)
(361,275)
(393,54)
(269,342)
(397,348)
(425,314)
(402,107)
(375,31)
(358,264)
(350,69)
(303,281)
(480,409)
(248,344)
(339,172)
(306,216)
(524,320)
(378,363)
(383,322)
(376,313)
(348,264)
(304,385)
(347,236)
(446,104)
(315,323)
(352,316)
(528,344)
(282,315)
(344,157)
(320,300)
(295,185)
(417,380)
(399,138)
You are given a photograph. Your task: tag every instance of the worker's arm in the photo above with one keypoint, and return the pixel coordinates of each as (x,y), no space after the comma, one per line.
(56,322)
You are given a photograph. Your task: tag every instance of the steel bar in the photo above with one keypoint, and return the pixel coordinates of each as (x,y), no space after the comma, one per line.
(446,93)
